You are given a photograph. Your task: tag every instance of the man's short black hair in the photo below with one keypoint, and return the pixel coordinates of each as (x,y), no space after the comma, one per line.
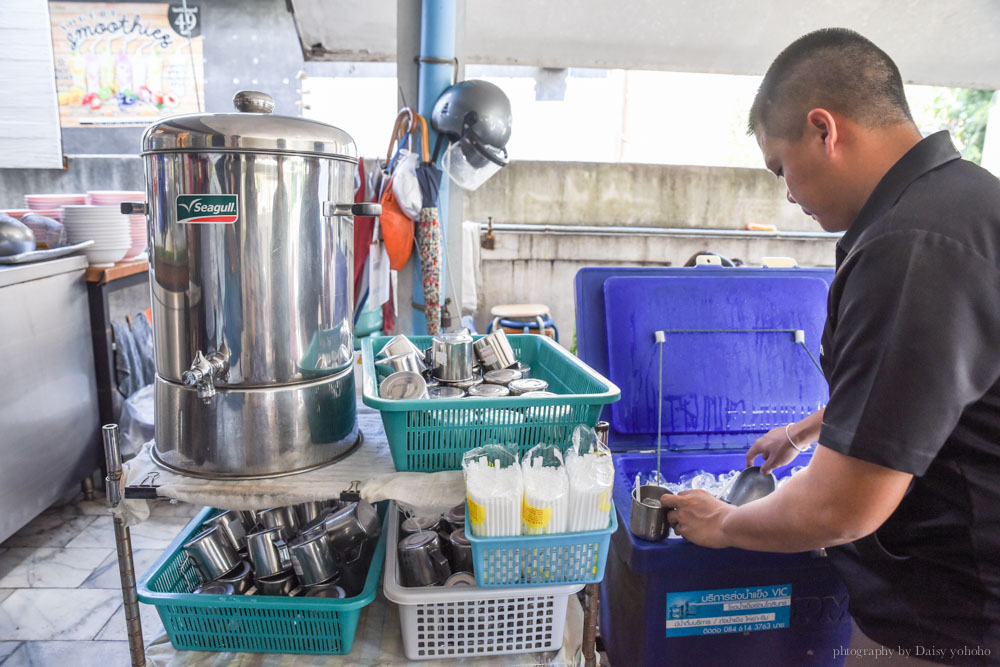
(834,69)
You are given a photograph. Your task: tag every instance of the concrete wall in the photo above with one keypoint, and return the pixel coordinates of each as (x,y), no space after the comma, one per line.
(529,264)
(585,193)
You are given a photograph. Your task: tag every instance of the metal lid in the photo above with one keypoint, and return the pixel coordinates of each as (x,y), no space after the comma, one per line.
(253,130)
(237,574)
(418,540)
(459,537)
(503,376)
(538,394)
(417,523)
(326,591)
(524,385)
(461,579)
(216,588)
(445,391)
(489,390)
(403,385)
(456,515)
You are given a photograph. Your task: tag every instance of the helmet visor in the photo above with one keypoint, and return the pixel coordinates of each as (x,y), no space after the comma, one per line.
(465,163)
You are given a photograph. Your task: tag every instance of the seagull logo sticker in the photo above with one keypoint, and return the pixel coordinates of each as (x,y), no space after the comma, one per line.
(208,209)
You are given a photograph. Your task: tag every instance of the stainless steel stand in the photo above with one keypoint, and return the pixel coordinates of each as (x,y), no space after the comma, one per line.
(123,544)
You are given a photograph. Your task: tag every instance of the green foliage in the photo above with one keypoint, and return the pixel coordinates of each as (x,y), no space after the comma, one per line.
(963,111)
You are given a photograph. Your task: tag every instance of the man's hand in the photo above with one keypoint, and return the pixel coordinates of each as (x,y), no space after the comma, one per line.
(774,448)
(697,516)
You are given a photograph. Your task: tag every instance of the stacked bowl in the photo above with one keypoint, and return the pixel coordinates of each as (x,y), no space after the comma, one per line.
(105,225)
(49,205)
(137,223)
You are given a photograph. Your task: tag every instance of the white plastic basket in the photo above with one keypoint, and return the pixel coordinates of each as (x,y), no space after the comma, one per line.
(439,622)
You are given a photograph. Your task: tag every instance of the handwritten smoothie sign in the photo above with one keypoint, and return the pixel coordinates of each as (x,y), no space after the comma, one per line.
(126,63)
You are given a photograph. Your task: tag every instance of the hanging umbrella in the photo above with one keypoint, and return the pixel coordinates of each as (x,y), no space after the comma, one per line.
(429,236)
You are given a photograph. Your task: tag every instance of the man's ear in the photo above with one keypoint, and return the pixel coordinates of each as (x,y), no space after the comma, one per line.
(824,125)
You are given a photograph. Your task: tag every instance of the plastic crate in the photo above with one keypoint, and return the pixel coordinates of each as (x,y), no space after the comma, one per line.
(541,560)
(251,623)
(431,435)
(439,622)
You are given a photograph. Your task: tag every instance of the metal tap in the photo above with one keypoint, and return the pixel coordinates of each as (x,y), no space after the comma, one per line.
(204,371)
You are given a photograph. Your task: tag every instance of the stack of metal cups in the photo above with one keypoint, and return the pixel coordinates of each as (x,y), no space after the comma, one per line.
(435,552)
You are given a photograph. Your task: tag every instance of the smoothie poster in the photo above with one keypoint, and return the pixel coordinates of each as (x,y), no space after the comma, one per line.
(126,63)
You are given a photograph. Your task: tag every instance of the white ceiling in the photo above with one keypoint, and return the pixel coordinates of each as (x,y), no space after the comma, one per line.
(937,42)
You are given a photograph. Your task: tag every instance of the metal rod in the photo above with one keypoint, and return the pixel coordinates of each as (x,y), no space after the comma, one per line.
(123,545)
(622,230)
(589,648)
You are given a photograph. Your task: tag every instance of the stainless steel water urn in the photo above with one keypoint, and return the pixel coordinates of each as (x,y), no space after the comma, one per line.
(251,271)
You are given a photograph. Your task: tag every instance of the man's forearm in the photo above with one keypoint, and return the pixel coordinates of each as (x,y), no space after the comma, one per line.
(807,430)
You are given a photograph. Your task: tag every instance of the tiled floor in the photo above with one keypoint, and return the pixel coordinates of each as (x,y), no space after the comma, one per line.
(60,595)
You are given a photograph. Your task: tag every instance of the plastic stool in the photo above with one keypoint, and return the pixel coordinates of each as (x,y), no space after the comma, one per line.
(523,318)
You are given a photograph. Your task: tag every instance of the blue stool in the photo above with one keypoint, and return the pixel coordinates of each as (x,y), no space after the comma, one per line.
(523,318)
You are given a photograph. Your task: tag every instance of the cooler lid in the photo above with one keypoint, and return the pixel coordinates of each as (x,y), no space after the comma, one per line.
(253,129)
(739,358)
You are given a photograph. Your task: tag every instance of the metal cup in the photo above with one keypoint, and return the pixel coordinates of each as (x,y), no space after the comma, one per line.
(494,351)
(421,561)
(216,588)
(649,519)
(418,523)
(231,524)
(445,391)
(309,511)
(269,552)
(486,390)
(279,517)
(524,385)
(349,527)
(211,552)
(331,590)
(278,584)
(408,361)
(401,345)
(312,559)
(452,356)
(455,517)
(403,385)
(460,579)
(503,376)
(461,551)
(240,578)
(249,518)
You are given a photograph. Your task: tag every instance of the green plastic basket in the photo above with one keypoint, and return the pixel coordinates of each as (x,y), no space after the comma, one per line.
(431,435)
(251,623)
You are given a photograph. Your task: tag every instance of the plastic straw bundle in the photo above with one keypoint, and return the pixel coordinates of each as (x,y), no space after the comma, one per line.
(591,476)
(546,492)
(494,489)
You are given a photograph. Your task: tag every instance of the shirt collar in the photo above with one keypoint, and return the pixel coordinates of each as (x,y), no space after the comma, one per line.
(929,153)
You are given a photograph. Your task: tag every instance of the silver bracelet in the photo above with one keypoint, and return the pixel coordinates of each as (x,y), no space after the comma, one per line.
(792,442)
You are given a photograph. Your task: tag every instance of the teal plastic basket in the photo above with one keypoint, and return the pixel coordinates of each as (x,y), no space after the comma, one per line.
(541,560)
(251,623)
(431,435)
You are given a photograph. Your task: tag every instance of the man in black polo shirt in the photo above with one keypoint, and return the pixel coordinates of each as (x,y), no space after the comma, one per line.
(905,482)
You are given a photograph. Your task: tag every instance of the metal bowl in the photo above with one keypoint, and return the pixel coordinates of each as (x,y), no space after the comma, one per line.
(15,237)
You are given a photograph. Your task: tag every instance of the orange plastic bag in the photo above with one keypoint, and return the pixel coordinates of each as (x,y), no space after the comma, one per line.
(397,230)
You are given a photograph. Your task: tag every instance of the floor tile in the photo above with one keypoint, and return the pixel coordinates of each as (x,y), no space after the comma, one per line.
(47,567)
(50,530)
(5,593)
(155,533)
(6,648)
(116,630)
(48,653)
(56,613)
(106,575)
(81,507)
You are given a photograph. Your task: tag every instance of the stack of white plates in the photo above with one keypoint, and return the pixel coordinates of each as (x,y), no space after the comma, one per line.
(48,205)
(137,223)
(105,225)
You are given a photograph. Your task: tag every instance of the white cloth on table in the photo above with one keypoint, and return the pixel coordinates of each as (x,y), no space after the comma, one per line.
(371,464)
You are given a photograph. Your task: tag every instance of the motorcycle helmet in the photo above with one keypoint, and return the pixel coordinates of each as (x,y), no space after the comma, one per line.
(475,117)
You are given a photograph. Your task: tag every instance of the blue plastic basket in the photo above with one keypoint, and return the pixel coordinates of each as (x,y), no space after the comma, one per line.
(431,435)
(251,623)
(541,560)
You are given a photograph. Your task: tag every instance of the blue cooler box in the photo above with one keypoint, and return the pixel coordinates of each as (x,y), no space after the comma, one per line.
(741,355)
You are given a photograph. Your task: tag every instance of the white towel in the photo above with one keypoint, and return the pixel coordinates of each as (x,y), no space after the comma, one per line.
(471,266)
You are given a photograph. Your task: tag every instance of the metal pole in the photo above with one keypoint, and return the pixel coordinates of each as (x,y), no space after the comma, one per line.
(593,594)
(123,544)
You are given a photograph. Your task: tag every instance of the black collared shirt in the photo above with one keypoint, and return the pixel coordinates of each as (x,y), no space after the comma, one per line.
(912,354)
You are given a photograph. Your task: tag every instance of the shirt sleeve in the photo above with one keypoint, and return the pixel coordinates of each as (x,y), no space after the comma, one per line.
(916,339)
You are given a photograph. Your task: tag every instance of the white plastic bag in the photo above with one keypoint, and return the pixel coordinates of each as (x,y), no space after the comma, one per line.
(405,186)
(545,509)
(136,420)
(494,488)
(591,475)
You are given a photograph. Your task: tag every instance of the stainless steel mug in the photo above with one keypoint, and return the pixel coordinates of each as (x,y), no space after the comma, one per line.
(408,361)
(461,551)
(211,552)
(332,591)
(401,345)
(649,519)
(278,584)
(503,376)
(240,578)
(524,385)
(348,528)
(308,512)
(494,351)
(418,523)
(269,552)
(231,524)
(215,588)
(277,517)
(455,517)
(420,560)
(452,356)
(312,559)
(249,518)
(404,385)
